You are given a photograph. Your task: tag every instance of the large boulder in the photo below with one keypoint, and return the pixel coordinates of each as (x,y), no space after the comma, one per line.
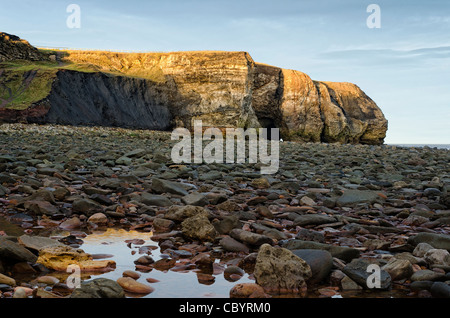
(198,227)
(278,270)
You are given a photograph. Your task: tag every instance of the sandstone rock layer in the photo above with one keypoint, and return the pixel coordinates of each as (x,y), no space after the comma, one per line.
(315,111)
(166,90)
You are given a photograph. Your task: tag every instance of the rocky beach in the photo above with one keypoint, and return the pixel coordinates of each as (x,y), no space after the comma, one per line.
(94,205)
(314,229)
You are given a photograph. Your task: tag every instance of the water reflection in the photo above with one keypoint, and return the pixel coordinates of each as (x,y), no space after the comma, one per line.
(179,280)
(116,235)
(172,282)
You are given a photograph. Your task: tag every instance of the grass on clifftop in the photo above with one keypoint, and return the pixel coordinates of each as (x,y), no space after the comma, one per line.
(23,83)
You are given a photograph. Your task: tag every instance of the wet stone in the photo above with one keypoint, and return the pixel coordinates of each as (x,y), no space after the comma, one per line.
(250,238)
(99,288)
(426,275)
(320,262)
(357,270)
(14,251)
(440,290)
(341,252)
(232,245)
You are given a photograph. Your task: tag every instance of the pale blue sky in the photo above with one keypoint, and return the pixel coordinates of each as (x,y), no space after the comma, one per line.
(404,66)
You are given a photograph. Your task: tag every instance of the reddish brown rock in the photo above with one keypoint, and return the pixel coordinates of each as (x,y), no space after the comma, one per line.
(247,290)
(98,218)
(132,286)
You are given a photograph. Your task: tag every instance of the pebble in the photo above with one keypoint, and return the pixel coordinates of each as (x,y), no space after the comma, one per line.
(152,280)
(398,268)
(132,286)
(144,260)
(99,288)
(348,284)
(426,274)
(162,225)
(437,257)
(357,271)
(421,249)
(250,238)
(233,270)
(440,290)
(131,274)
(310,235)
(440,241)
(320,262)
(196,199)
(6,280)
(20,293)
(205,279)
(341,252)
(232,245)
(98,218)
(71,223)
(86,206)
(48,280)
(247,290)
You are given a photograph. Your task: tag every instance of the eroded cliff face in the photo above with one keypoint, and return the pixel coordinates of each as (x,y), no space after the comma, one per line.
(350,115)
(223,89)
(316,111)
(212,86)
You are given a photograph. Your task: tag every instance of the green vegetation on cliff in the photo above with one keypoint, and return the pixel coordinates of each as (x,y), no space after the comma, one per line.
(25,82)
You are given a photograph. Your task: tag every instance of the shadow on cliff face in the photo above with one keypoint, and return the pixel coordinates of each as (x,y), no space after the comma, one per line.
(267,95)
(80,98)
(100,99)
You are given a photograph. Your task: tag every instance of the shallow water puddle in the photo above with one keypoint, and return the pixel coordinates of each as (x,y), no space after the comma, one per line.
(126,246)
(171,283)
